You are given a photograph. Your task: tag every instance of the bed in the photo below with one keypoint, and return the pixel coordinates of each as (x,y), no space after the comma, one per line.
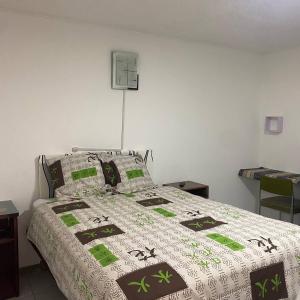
(163,243)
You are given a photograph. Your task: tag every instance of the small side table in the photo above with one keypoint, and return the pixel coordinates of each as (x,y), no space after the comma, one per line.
(9,253)
(194,188)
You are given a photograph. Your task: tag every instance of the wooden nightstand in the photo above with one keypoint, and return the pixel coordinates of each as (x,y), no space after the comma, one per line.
(191,187)
(9,254)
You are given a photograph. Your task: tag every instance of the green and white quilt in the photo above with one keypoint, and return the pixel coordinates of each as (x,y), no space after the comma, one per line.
(165,244)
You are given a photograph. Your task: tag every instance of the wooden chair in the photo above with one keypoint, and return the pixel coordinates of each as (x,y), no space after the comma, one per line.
(284,201)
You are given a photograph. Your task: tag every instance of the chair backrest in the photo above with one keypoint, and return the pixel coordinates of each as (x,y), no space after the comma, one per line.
(282,187)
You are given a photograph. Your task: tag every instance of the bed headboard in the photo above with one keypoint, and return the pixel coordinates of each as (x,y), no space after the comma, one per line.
(46,187)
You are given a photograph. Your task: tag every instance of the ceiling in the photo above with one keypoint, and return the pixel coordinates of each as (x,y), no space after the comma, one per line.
(254,25)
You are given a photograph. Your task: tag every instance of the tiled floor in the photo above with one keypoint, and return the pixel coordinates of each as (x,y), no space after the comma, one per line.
(38,284)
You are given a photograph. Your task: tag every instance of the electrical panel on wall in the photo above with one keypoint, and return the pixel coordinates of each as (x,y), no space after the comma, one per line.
(124,70)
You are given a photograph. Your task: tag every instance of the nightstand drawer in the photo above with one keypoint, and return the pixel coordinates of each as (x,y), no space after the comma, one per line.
(6,229)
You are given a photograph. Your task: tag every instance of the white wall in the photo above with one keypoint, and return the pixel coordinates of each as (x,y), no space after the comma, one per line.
(280,95)
(196,107)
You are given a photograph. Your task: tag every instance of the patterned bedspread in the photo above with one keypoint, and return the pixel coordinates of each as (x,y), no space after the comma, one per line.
(167,244)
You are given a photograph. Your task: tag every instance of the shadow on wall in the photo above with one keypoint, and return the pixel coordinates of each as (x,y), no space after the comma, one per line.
(26,253)
(253,188)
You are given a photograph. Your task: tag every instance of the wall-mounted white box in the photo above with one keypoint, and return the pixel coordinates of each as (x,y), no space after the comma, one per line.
(273,124)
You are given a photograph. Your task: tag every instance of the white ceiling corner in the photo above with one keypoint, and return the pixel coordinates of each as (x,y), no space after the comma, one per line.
(254,25)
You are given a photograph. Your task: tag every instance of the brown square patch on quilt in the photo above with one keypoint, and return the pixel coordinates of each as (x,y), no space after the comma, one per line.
(56,174)
(268,283)
(151,282)
(68,207)
(202,223)
(153,201)
(97,233)
(111,173)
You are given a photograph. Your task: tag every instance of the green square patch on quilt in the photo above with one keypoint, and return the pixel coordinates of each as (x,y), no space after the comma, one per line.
(103,255)
(224,240)
(129,195)
(108,260)
(135,173)
(99,251)
(84,173)
(164,212)
(69,220)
